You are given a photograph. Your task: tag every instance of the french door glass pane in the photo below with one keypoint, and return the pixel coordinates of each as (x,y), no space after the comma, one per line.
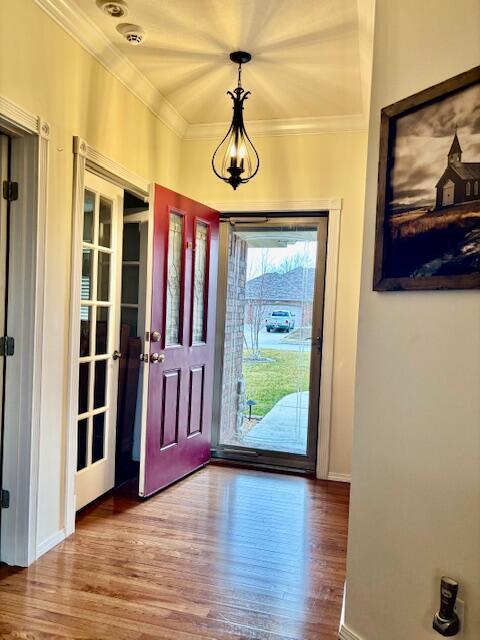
(101,331)
(88,216)
(174,279)
(201,235)
(105,222)
(103,275)
(130,318)
(100,384)
(84,331)
(98,440)
(131,242)
(83,384)
(82,431)
(87,269)
(130,283)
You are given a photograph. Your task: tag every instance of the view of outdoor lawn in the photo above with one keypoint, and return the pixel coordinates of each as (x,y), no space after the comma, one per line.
(282,373)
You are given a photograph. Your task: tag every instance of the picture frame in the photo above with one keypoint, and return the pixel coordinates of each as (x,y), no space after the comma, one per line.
(428,200)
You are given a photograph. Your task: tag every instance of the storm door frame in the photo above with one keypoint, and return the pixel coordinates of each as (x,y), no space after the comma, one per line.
(294,214)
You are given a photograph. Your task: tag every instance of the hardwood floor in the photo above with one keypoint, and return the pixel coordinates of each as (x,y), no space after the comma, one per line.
(225,553)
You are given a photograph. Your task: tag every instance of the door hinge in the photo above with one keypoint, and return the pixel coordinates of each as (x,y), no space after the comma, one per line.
(7,346)
(4,499)
(10,190)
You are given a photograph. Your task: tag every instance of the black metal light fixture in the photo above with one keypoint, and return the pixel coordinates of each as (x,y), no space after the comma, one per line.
(235,159)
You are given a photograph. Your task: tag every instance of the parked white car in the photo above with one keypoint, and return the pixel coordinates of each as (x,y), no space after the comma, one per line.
(280,320)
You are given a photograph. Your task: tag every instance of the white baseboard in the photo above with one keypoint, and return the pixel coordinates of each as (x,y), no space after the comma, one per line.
(50,542)
(346,634)
(339,477)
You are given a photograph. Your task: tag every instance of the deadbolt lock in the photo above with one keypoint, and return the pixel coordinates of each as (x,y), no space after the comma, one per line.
(157,357)
(155,336)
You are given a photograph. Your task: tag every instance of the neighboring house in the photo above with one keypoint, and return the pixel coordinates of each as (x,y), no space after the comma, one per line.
(291,291)
(460,181)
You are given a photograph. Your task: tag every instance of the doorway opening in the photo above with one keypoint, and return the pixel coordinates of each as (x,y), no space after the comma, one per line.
(273,314)
(112,335)
(132,337)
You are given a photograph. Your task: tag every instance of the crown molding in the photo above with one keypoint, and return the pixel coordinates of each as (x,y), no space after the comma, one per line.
(91,38)
(78,25)
(322,204)
(287,127)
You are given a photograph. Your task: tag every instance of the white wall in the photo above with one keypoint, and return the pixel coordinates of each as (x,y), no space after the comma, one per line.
(415,510)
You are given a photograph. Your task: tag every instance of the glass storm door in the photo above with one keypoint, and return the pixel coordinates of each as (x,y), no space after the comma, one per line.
(273,273)
(99,337)
(176,438)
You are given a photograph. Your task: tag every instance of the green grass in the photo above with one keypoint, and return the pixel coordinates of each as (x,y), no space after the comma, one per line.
(268,382)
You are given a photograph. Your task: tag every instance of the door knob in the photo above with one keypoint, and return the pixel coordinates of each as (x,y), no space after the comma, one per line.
(157,357)
(116,355)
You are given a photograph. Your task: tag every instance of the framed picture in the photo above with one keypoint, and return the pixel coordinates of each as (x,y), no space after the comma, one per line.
(428,206)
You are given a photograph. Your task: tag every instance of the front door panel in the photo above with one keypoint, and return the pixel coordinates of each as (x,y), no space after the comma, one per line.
(179,408)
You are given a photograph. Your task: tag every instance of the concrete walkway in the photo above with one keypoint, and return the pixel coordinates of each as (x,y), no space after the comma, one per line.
(284,428)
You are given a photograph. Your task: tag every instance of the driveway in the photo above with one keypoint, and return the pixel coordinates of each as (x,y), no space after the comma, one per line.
(276,340)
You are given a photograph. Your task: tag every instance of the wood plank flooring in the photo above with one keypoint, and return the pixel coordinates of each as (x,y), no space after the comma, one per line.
(224,554)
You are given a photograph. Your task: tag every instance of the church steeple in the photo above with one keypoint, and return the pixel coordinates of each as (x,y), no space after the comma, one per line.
(455,153)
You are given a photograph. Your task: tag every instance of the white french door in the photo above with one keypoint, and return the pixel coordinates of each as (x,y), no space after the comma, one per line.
(98,356)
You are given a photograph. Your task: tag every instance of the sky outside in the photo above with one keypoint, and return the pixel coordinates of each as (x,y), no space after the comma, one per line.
(273,258)
(423,142)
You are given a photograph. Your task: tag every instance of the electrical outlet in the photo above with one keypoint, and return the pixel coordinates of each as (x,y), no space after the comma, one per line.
(460,611)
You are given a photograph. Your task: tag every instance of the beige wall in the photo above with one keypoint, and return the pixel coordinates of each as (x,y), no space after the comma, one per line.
(415,511)
(46,72)
(306,167)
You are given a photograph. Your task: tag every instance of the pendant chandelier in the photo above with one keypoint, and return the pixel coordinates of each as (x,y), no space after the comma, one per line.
(235,159)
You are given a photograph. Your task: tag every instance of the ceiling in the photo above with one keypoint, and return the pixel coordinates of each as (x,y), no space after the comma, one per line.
(306,59)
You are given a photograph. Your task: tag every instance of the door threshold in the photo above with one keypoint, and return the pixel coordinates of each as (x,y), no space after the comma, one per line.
(261,466)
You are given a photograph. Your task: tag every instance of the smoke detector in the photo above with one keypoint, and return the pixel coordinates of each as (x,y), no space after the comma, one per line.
(113,8)
(133,33)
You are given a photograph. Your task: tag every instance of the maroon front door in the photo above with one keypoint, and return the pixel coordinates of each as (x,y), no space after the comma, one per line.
(182,338)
